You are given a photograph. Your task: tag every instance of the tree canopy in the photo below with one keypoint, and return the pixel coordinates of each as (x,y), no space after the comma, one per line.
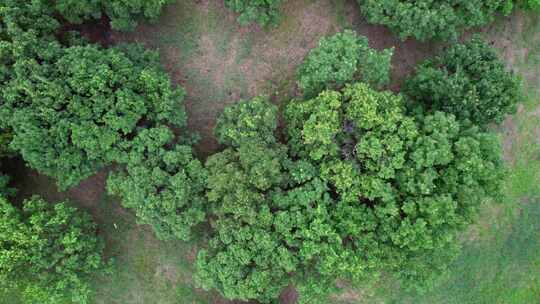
(342,58)
(265,12)
(124,14)
(404,185)
(163,183)
(428,19)
(77,112)
(468,80)
(47,251)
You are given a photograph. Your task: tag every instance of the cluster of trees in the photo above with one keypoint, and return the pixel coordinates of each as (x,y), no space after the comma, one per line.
(366,182)
(69,108)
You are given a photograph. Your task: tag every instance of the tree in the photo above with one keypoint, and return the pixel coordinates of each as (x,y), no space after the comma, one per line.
(340,59)
(76,112)
(48,251)
(124,14)
(163,183)
(265,12)
(404,186)
(428,19)
(268,213)
(468,80)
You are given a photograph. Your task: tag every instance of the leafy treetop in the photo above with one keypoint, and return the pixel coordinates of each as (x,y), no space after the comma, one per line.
(265,12)
(163,183)
(124,14)
(428,19)
(468,80)
(47,251)
(340,59)
(78,111)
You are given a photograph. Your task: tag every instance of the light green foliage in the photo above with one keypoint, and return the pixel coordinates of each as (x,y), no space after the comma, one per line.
(265,12)
(405,185)
(427,19)
(124,14)
(269,217)
(468,80)
(47,251)
(343,58)
(163,183)
(247,121)
(77,112)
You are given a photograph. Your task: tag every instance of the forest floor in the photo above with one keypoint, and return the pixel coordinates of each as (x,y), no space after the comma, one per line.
(218,63)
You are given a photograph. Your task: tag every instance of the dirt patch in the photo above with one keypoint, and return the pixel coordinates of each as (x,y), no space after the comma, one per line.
(288,296)
(510,136)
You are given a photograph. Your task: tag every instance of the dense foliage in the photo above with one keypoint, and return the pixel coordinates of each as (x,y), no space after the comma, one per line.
(123,14)
(404,185)
(468,80)
(47,251)
(364,188)
(163,183)
(427,19)
(343,58)
(264,12)
(77,112)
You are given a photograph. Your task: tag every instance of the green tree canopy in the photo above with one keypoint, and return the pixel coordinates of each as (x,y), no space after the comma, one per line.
(342,58)
(265,12)
(124,14)
(47,251)
(470,81)
(427,19)
(163,183)
(77,112)
(404,185)
(361,188)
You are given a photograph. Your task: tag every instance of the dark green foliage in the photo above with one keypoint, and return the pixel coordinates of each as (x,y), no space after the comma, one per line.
(124,14)
(76,113)
(247,121)
(468,80)
(343,58)
(47,251)
(264,12)
(163,183)
(405,185)
(509,5)
(427,19)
